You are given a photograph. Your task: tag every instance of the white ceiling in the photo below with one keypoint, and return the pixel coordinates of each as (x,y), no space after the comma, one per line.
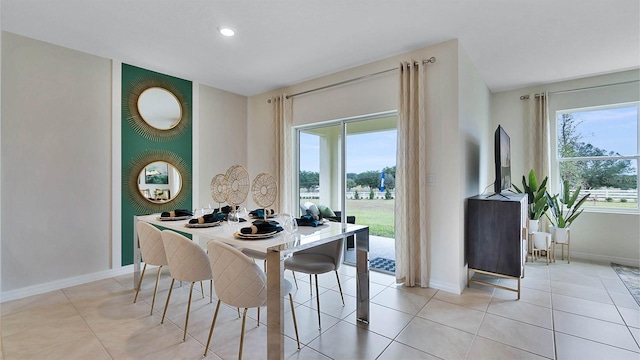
(513,43)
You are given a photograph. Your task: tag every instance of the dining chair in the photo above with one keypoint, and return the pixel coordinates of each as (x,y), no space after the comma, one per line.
(188,262)
(241,283)
(318,260)
(263,256)
(152,250)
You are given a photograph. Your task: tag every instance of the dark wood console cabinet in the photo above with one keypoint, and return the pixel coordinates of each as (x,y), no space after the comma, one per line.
(496,236)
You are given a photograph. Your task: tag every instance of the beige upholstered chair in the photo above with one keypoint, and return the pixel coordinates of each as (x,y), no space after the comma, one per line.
(318,260)
(188,262)
(256,255)
(152,250)
(541,242)
(239,283)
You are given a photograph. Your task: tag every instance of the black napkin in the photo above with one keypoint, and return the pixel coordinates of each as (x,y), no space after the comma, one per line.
(262,227)
(259,213)
(208,218)
(225,209)
(176,213)
(307,220)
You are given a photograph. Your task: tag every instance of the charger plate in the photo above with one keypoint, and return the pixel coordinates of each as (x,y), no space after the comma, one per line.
(254,236)
(204,225)
(174,218)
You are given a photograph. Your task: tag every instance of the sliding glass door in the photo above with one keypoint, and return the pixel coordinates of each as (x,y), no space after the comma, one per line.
(347,168)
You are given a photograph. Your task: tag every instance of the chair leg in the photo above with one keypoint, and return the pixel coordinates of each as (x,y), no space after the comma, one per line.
(155,290)
(295,281)
(318,301)
(211,291)
(339,287)
(186,321)
(311,284)
(244,319)
(295,323)
(166,305)
(238,313)
(140,282)
(202,289)
(213,324)
(258,324)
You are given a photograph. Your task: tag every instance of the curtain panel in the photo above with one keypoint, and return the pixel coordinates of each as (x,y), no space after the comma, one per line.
(284,150)
(411,208)
(538,134)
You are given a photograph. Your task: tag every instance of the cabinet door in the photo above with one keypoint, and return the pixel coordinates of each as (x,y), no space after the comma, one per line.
(494,236)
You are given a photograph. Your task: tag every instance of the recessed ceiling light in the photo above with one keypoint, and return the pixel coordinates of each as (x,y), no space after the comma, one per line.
(226,31)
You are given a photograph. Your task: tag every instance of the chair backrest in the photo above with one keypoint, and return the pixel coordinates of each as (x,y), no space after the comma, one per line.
(238,281)
(151,245)
(187,260)
(331,249)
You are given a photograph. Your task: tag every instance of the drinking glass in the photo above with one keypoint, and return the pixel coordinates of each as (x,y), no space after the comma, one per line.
(233,222)
(289,223)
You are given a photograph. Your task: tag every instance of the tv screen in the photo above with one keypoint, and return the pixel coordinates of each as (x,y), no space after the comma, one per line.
(502,144)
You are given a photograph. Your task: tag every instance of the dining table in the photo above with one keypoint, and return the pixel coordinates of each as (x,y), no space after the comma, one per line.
(277,248)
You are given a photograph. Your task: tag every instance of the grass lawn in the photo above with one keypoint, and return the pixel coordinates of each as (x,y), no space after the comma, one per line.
(377,214)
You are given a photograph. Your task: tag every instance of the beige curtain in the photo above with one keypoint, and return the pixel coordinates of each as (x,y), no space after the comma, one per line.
(284,157)
(537,125)
(411,209)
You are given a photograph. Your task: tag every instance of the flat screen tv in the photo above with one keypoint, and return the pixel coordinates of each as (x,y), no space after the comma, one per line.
(502,144)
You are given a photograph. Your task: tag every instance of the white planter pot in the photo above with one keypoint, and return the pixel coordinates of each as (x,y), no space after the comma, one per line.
(541,240)
(534,225)
(561,235)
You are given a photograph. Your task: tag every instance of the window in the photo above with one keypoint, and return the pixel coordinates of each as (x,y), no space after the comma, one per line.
(597,149)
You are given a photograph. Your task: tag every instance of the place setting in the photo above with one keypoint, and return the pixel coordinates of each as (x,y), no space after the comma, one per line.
(175,215)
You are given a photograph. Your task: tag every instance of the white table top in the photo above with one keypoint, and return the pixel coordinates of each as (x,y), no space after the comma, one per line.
(305,237)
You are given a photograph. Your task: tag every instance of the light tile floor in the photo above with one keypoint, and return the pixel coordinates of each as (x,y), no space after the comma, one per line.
(567,311)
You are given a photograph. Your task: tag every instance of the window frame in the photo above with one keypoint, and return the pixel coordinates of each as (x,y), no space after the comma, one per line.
(556,160)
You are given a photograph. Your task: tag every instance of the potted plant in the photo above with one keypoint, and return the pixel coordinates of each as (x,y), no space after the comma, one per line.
(565,210)
(537,200)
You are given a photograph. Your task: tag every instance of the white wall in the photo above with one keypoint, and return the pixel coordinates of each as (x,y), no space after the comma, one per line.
(222,138)
(380,94)
(56,162)
(474,124)
(595,236)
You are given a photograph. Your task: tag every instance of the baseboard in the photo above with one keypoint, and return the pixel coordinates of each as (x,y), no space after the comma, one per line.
(64,283)
(445,286)
(600,258)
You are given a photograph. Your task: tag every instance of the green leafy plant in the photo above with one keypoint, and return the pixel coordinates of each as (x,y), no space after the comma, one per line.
(538,204)
(572,203)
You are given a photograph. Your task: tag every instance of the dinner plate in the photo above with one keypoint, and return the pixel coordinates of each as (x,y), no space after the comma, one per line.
(174,218)
(203,225)
(254,236)
(258,217)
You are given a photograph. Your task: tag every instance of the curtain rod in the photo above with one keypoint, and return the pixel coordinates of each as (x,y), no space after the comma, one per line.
(429,60)
(526,97)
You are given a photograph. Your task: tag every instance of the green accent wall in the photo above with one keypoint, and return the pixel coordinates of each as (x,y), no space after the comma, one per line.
(136,145)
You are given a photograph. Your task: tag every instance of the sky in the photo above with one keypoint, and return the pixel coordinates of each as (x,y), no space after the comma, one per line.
(370,151)
(610,129)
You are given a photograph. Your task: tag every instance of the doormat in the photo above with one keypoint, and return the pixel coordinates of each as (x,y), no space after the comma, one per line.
(383,264)
(630,276)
